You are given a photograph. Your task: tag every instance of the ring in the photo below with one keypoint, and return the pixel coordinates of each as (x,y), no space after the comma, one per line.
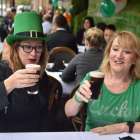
(79,91)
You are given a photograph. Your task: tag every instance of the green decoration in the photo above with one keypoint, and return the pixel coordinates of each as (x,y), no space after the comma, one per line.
(61,9)
(73,10)
(54,3)
(107,8)
(40,8)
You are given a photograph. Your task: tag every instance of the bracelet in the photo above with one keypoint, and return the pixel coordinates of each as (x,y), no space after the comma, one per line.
(75,97)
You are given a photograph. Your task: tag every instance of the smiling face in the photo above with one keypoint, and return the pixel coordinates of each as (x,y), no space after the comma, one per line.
(121,59)
(86,24)
(32,57)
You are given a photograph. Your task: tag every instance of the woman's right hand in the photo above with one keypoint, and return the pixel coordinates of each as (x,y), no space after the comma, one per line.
(72,107)
(20,79)
(84,92)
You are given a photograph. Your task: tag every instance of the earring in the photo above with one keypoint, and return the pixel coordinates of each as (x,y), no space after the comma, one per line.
(134,63)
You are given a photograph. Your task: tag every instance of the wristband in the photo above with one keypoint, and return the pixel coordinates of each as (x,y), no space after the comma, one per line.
(75,97)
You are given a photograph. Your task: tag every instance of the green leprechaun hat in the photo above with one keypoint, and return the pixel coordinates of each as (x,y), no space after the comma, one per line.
(27,25)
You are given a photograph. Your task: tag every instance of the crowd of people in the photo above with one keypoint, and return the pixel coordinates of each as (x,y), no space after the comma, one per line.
(116,54)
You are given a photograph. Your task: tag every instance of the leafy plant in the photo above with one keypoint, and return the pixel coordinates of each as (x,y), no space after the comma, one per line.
(24,2)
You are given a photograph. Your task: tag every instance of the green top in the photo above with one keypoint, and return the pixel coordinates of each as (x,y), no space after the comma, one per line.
(113,108)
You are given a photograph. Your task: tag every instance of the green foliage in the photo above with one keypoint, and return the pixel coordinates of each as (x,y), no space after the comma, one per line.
(127,19)
(24,2)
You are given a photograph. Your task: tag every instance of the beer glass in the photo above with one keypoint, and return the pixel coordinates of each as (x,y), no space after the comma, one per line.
(96,80)
(33,89)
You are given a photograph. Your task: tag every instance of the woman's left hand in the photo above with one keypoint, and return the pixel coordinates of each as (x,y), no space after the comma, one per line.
(109,129)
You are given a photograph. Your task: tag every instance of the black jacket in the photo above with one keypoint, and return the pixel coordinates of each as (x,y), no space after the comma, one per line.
(25,113)
(80,36)
(62,38)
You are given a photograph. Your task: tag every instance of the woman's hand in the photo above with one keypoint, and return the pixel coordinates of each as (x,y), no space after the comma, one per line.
(20,79)
(109,129)
(84,92)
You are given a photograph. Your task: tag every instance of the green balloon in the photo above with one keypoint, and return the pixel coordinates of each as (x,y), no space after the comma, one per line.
(73,10)
(107,8)
(61,9)
(54,3)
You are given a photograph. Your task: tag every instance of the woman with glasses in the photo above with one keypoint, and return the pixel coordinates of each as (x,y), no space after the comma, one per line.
(19,111)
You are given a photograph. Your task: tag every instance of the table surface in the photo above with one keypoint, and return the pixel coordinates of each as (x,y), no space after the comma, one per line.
(63,136)
(81,49)
(67,86)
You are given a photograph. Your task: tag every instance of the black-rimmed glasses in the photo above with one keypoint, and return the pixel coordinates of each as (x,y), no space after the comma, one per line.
(28,49)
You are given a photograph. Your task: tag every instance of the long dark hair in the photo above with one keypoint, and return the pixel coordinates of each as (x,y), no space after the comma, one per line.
(91,20)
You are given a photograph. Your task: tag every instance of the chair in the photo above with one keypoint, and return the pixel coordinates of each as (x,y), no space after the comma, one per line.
(56,92)
(54,100)
(61,53)
(81,117)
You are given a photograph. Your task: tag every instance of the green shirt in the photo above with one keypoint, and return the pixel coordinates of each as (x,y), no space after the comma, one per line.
(113,108)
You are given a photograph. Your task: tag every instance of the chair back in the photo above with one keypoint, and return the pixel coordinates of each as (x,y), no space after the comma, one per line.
(56,93)
(81,117)
(61,53)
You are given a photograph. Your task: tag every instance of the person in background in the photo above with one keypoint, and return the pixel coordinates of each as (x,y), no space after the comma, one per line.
(118,108)
(5,25)
(19,111)
(11,17)
(50,13)
(47,25)
(90,60)
(88,22)
(54,27)
(6,47)
(108,33)
(6,50)
(6,18)
(101,26)
(17,12)
(61,37)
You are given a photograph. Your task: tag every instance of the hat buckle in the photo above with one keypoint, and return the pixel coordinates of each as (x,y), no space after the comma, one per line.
(33,33)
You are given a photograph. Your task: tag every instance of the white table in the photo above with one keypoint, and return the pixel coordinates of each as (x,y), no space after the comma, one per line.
(67,86)
(63,136)
(1,47)
(81,49)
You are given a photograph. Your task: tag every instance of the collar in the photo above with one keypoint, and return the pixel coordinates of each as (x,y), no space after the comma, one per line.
(46,22)
(61,29)
(93,49)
